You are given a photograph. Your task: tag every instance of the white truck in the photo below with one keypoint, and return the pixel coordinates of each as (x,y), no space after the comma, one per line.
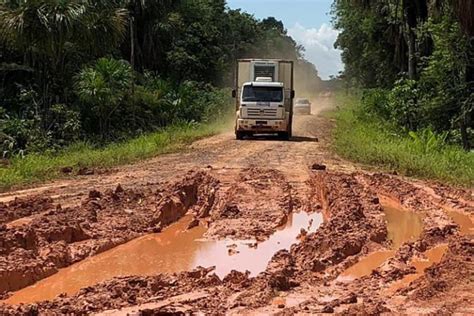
(264,97)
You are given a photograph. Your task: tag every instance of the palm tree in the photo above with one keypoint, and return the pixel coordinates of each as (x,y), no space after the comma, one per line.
(148,18)
(48,31)
(102,87)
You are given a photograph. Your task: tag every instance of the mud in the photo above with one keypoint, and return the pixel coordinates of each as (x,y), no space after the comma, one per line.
(402,226)
(418,249)
(176,249)
(61,237)
(259,201)
(254,228)
(464,221)
(24,207)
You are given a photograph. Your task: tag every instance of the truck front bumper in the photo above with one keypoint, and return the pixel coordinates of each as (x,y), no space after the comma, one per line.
(261,125)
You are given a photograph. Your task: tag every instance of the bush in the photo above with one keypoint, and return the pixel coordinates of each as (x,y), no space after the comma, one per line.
(426,141)
(13,134)
(117,113)
(374,103)
(102,88)
(423,153)
(446,98)
(403,104)
(108,109)
(64,125)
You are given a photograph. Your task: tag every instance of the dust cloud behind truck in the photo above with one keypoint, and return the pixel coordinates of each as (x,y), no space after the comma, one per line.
(264,93)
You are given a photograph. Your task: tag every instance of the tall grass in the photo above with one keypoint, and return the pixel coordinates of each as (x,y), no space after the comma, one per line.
(41,167)
(373,142)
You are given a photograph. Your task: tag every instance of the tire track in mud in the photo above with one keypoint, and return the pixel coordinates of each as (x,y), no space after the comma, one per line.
(306,275)
(105,220)
(61,237)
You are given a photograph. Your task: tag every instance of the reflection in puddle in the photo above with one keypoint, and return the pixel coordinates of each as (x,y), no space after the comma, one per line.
(255,260)
(175,249)
(402,226)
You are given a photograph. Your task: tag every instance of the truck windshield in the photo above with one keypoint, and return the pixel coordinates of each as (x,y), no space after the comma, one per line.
(262,94)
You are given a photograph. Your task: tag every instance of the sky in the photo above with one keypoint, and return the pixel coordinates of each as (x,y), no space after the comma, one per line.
(308,22)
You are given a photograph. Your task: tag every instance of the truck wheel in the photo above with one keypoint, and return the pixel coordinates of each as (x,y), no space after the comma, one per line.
(284,135)
(239,135)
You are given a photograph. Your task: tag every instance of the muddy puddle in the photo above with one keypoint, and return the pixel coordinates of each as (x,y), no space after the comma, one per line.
(431,257)
(402,226)
(175,249)
(466,225)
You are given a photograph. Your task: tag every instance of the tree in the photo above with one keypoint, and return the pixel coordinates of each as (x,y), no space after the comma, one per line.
(465,12)
(429,42)
(50,32)
(271,23)
(102,88)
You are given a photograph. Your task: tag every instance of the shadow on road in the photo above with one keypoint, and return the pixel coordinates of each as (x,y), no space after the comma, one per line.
(303,139)
(296,139)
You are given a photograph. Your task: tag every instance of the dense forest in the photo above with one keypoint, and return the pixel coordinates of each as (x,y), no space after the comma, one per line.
(107,70)
(415,60)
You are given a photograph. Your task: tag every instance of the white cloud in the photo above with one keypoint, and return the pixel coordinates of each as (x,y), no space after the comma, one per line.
(319,45)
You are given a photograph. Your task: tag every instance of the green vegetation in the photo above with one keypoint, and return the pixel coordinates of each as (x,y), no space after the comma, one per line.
(106,71)
(366,138)
(416,60)
(40,167)
(411,66)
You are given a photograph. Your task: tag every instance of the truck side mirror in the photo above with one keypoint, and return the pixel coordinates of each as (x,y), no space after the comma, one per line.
(292,94)
(234,93)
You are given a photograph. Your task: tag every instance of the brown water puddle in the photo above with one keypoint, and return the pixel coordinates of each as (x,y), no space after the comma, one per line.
(402,226)
(434,255)
(175,249)
(365,265)
(464,221)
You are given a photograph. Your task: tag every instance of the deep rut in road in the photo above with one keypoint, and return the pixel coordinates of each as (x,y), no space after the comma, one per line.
(339,242)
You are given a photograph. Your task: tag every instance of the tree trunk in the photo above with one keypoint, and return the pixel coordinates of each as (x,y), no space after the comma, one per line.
(464,135)
(411,39)
(410,14)
(465,13)
(466,120)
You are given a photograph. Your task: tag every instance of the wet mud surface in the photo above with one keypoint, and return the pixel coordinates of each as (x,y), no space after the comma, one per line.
(246,228)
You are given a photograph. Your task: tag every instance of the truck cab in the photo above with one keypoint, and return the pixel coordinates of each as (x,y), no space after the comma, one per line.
(264,105)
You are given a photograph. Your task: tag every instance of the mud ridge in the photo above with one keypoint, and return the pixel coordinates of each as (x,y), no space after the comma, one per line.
(375,291)
(452,271)
(354,220)
(61,237)
(438,226)
(305,279)
(258,202)
(122,292)
(23,207)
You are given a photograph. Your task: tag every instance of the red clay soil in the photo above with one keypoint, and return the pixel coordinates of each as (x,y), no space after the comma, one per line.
(24,207)
(447,284)
(253,204)
(355,220)
(61,237)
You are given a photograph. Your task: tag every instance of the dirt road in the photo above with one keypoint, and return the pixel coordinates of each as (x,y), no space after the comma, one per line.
(260,226)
